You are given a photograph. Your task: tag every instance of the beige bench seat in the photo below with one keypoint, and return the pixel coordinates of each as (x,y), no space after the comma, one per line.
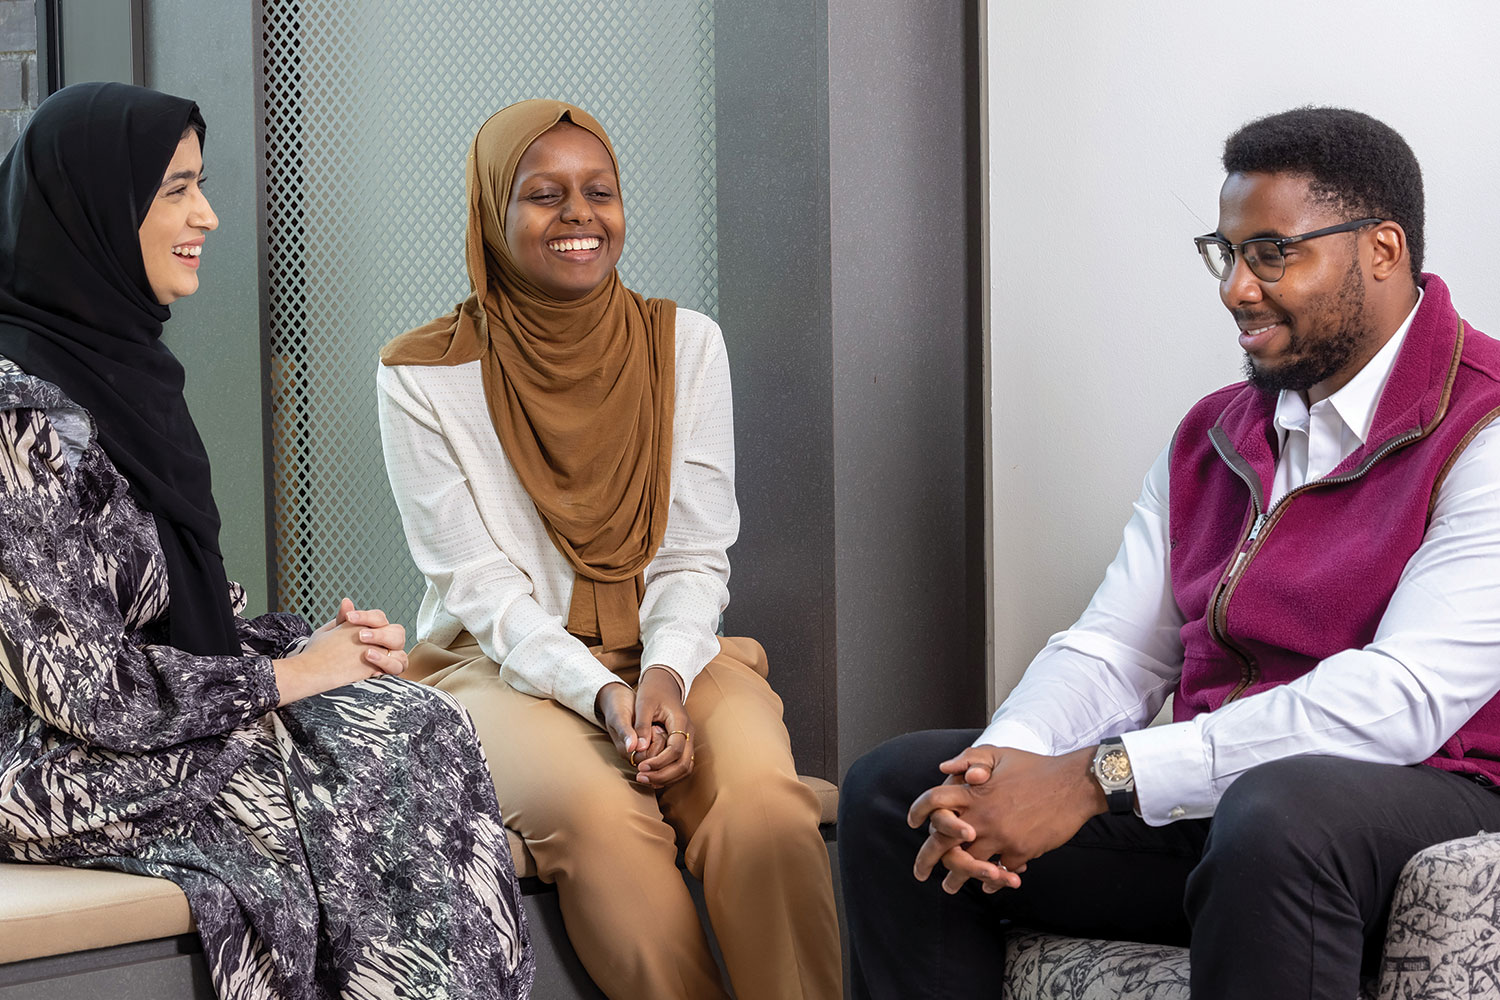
(53,910)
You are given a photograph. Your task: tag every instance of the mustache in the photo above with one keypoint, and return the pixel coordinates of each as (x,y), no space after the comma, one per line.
(1255,317)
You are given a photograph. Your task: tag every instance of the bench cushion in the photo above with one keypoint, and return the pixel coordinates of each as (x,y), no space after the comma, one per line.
(54,910)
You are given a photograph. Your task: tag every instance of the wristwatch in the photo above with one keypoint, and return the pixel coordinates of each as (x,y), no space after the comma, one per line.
(1111,768)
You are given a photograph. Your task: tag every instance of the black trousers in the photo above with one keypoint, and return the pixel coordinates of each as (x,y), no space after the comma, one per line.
(1284,893)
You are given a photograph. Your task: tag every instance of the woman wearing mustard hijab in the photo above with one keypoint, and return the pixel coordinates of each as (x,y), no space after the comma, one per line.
(562,453)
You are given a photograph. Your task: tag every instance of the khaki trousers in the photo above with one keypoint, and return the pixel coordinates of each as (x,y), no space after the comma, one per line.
(748,827)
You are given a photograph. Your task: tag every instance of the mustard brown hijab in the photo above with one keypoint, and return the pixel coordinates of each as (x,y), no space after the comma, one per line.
(580,392)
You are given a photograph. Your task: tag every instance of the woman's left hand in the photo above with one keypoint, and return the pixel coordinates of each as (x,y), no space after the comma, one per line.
(658,702)
(386,641)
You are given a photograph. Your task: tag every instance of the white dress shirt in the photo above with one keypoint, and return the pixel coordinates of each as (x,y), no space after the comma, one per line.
(490,566)
(1431,665)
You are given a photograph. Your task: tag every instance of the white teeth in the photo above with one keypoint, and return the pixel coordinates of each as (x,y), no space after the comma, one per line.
(1259,331)
(592,243)
(192,251)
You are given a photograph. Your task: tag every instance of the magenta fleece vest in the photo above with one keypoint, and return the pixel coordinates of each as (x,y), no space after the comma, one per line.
(1268,594)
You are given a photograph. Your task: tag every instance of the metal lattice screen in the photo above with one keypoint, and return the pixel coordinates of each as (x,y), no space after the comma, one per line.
(369,110)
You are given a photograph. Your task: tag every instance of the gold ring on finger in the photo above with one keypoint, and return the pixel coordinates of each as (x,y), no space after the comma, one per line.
(679,732)
(632,757)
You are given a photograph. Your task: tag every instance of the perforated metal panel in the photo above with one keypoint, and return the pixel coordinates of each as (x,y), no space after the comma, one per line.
(369,110)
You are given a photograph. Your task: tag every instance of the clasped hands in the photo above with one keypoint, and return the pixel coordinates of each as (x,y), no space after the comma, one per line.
(999,809)
(649,726)
(357,645)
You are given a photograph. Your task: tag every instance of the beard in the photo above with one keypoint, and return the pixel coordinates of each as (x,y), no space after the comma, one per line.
(1322,353)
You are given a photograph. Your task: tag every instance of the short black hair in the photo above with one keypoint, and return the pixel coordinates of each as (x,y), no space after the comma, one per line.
(1355,162)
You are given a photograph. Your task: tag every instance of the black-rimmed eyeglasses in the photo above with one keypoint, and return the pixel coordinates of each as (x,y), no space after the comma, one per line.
(1265,257)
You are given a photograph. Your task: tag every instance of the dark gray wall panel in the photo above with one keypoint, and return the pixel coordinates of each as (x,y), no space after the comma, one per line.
(848,252)
(905,255)
(771,100)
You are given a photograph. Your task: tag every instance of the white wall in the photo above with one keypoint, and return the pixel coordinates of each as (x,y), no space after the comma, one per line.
(1106,121)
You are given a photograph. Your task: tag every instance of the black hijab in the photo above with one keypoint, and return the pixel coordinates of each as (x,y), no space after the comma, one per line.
(77,310)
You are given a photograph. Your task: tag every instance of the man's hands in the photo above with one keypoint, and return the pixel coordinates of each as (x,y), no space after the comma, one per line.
(1005,803)
(649,726)
(355,646)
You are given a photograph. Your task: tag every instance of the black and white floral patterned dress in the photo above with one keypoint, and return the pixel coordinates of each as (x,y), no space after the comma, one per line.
(348,845)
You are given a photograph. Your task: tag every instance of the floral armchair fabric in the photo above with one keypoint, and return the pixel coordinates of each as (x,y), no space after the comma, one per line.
(1442,943)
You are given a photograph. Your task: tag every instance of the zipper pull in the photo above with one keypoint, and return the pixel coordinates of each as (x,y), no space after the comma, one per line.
(1244,553)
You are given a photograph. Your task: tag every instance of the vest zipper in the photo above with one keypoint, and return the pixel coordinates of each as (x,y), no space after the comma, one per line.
(1218,626)
(1218,620)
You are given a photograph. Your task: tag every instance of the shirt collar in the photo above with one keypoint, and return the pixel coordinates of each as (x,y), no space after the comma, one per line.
(1355,403)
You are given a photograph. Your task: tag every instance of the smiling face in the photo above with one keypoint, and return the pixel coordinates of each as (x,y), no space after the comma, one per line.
(1310,330)
(565,225)
(173,232)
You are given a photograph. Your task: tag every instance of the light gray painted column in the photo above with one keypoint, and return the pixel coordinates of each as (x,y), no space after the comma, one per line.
(206,52)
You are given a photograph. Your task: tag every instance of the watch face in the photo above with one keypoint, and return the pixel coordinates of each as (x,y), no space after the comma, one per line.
(1114,767)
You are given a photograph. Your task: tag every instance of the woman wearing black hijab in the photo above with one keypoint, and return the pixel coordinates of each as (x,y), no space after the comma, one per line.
(334,828)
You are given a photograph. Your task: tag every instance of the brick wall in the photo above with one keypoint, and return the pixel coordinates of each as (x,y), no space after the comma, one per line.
(18,82)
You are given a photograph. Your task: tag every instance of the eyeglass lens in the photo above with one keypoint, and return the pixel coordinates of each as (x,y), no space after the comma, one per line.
(1263,257)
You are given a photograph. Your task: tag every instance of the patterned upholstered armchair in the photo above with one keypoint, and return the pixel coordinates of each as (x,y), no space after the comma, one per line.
(1443,943)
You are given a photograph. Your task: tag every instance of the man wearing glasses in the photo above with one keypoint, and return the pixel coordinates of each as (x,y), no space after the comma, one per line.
(1312,569)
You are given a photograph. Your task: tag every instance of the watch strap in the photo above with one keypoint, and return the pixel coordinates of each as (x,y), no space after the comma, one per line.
(1119,799)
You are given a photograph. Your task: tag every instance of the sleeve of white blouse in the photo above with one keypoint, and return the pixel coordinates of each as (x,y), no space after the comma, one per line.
(687,583)
(454,550)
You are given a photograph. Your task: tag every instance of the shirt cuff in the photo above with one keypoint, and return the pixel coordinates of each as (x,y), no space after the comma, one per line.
(1013,735)
(262,684)
(675,652)
(579,688)
(549,663)
(1172,780)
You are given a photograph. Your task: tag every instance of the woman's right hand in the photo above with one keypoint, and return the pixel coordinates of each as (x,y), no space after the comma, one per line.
(615,707)
(335,655)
